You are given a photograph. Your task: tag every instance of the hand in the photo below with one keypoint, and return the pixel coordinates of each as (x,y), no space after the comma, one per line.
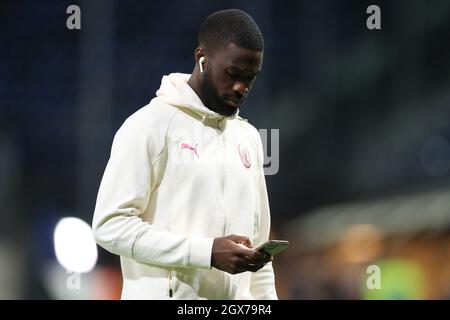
(234,254)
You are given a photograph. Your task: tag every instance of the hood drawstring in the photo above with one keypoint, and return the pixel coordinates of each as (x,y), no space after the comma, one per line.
(221,124)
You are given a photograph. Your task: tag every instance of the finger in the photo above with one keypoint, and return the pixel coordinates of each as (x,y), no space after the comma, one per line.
(255,267)
(247,260)
(242,266)
(254,257)
(268,256)
(241,263)
(240,239)
(248,254)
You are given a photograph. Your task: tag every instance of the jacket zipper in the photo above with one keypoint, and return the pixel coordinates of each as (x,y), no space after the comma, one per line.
(170,283)
(223,186)
(224,208)
(225,215)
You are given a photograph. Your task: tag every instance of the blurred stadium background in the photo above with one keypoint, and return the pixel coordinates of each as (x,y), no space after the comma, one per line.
(364,136)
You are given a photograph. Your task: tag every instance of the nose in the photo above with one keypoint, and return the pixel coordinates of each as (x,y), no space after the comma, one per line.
(241,88)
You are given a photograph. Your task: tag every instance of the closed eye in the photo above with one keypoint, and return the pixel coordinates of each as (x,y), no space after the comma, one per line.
(236,76)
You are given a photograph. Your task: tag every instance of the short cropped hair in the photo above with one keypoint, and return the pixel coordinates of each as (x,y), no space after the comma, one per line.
(230,26)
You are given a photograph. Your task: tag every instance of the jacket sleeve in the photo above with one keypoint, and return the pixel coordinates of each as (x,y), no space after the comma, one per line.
(263,281)
(128,180)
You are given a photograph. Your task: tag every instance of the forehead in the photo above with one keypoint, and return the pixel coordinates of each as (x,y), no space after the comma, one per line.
(241,58)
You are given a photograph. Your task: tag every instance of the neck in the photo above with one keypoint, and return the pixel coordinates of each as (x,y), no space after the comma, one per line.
(194,83)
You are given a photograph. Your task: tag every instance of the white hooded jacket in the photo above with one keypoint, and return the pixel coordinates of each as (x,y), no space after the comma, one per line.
(180,175)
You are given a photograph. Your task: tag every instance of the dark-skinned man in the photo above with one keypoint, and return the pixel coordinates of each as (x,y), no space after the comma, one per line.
(183,198)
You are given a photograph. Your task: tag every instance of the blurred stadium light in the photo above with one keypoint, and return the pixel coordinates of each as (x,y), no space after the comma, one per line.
(75,245)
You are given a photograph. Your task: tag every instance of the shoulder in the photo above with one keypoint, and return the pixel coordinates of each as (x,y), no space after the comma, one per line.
(153,117)
(147,126)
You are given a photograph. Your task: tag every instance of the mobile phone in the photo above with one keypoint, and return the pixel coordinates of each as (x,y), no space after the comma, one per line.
(273,247)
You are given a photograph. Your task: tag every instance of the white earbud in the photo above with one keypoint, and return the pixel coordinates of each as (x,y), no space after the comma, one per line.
(200,63)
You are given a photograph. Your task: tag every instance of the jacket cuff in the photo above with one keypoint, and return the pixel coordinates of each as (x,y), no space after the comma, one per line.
(200,252)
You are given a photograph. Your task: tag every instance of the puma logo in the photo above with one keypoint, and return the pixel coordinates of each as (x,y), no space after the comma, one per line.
(189,147)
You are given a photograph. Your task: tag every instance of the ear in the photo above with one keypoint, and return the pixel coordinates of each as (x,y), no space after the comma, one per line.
(199,53)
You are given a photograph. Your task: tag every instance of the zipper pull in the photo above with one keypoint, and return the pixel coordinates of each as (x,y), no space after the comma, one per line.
(170,283)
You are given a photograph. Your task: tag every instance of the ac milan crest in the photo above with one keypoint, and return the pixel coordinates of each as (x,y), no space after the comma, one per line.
(245,156)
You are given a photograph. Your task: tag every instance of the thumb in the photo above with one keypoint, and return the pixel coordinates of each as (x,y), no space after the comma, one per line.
(240,239)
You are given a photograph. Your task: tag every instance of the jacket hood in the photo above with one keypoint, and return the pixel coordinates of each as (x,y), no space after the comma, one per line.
(175,91)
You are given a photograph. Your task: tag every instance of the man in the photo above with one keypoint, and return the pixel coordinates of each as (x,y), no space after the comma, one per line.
(183,198)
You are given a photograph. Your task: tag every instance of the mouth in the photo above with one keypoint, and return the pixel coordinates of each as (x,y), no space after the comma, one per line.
(234,103)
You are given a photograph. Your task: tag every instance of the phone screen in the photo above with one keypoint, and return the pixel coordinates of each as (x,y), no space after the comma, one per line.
(274,247)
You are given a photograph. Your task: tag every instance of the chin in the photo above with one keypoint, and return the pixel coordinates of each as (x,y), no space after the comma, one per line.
(228,111)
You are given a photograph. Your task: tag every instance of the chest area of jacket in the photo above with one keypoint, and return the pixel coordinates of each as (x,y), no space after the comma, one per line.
(202,156)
